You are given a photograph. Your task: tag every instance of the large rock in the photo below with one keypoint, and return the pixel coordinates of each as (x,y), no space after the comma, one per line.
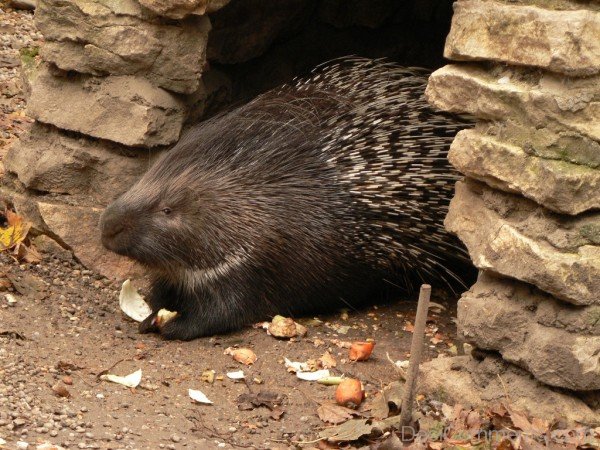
(515,237)
(77,227)
(560,41)
(559,344)
(124,109)
(178,9)
(74,227)
(117,38)
(537,101)
(49,160)
(479,383)
(558,185)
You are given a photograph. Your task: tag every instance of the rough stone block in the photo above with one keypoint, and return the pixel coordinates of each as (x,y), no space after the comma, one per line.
(566,146)
(558,185)
(124,109)
(533,99)
(513,236)
(117,38)
(48,160)
(77,227)
(524,325)
(178,9)
(479,383)
(560,41)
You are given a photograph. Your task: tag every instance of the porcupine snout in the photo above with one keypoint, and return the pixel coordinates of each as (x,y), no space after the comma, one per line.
(114,228)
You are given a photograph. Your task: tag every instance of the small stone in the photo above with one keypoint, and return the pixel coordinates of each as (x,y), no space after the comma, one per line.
(175,438)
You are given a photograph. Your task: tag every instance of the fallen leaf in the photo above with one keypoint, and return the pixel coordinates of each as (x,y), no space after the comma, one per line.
(393,442)
(271,400)
(528,443)
(327,361)
(436,339)
(409,327)
(16,231)
(505,444)
(318,342)
(334,414)
(276,413)
(520,421)
(341,344)
(388,400)
(27,253)
(350,430)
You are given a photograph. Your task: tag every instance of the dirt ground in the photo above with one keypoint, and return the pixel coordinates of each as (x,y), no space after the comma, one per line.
(65,328)
(61,326)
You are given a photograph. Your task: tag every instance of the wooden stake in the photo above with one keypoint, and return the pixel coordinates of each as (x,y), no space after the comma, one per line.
(416,350)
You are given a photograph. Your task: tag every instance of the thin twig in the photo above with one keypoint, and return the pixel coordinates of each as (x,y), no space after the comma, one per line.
(416,350)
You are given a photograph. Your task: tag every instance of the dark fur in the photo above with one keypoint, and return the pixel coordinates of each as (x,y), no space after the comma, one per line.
(307,197)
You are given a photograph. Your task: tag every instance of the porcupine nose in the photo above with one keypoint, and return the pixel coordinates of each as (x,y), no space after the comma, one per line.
(111,226)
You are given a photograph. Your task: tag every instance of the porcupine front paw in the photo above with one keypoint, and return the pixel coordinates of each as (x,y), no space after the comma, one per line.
(148,325)
(183,328)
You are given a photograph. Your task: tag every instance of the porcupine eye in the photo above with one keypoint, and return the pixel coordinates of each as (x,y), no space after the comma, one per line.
(166,211)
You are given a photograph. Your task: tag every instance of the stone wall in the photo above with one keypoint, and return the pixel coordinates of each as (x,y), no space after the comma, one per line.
(529,208)
(115,78)
(117,82)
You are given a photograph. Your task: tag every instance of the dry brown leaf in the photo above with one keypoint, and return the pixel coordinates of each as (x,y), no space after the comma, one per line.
(505,444)
(519,419)
(341,344)
(327,361)
(334,414)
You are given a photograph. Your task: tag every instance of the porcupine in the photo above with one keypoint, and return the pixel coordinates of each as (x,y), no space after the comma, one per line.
(307,197)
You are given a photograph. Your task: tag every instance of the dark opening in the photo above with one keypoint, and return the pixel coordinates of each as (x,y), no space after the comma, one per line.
(260,44)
